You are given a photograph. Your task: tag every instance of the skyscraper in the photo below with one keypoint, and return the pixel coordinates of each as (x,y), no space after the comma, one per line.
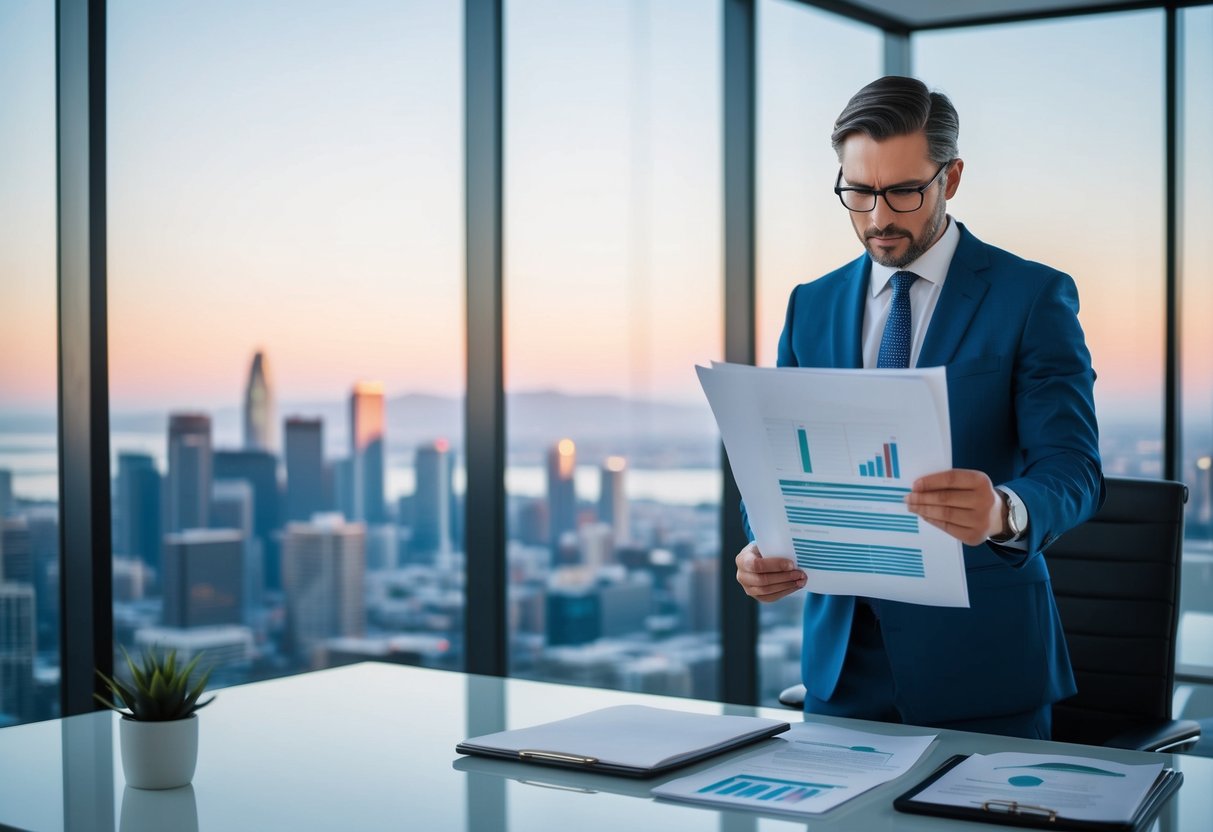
(366,450)
(203,577)
(259,407)
(260,470)
(232,508)
(6,492)
(304,468)
(432,501)
(612,504)
(323,565)
(562,499)
(139,520)
(17,648)
(190,471)
(16,554)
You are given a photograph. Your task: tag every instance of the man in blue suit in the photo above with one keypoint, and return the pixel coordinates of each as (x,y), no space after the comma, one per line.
(927,293)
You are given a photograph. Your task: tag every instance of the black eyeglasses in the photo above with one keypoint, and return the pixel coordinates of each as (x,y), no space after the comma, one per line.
(902,199)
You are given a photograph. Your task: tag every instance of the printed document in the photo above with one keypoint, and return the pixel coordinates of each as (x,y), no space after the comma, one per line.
(1075,788)
(824,459)
(813,769)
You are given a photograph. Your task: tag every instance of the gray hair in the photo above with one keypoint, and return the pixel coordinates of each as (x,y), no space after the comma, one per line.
(897,106)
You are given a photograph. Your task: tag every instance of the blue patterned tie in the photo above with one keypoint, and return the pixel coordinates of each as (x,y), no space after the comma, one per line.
(895,343)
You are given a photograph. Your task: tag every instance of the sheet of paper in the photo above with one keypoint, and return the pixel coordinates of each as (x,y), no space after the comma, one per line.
(630,735)
(813,769)
(824,459)
(1078,788)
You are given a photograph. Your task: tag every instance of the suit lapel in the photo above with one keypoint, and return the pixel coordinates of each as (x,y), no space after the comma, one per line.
(848,331)
(958,302)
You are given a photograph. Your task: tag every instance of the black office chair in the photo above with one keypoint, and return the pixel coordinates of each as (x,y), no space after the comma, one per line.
(1116,580)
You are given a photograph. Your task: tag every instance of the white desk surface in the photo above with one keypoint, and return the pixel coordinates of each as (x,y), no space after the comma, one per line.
(372,746)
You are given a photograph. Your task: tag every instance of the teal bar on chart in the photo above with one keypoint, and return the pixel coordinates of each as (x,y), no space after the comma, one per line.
(805,461)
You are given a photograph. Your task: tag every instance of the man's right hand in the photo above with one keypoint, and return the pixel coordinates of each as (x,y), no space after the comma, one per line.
(767,579)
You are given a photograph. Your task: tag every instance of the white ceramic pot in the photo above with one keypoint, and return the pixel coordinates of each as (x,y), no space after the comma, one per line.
(159,755)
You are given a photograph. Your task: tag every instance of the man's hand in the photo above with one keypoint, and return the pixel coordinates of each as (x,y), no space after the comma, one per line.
(767,579)
(961,502)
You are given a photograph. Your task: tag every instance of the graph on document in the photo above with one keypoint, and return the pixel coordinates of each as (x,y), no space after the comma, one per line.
(834,449)
(748,788)
(843,489)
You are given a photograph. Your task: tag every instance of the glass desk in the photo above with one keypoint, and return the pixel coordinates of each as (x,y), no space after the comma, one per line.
(372,746)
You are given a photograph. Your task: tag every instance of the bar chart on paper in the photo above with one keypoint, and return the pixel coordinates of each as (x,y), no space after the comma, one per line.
(749,788)
(834,449)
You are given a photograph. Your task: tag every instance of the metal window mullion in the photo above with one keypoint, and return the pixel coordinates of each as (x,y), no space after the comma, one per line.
(86,604)
(739,613)
(485,624)
(1173,384)
(897,55)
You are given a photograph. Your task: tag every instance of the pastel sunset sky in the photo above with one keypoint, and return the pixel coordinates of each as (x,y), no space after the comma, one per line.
(288,176)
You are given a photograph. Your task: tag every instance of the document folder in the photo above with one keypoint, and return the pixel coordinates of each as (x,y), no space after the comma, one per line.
(1028,814)
(629,740)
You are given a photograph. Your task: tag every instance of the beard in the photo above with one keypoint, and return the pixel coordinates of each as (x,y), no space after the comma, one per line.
(917,245)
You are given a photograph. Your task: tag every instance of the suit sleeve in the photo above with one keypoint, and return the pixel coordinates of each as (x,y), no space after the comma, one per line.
(1061,482)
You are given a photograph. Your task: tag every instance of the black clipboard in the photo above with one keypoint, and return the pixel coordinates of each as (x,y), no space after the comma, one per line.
(1038,817)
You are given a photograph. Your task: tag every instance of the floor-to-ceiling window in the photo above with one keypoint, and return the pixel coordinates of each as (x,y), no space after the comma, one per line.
(1195,654)
(286,331)
(29,445)
(809,64)
(612,294)
(1062,133)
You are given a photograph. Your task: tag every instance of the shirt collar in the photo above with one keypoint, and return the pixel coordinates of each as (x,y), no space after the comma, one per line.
(932,266)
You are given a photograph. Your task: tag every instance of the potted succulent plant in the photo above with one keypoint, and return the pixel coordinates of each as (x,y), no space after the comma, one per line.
(159,729)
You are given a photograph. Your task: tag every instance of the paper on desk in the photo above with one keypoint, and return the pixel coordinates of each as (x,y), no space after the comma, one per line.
(824,459)
(1076,788)
(814,768)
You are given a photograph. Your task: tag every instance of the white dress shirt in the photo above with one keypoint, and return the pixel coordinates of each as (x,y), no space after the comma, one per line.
(932,270)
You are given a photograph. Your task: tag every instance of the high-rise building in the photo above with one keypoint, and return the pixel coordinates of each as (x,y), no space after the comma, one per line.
(304,448)
(229,649)
(6,492)
(260,470)
(259,407)
(323,566)
(203,577)
(139,521)
(612,504)
(16,553)
(574,616)
(433,499)
(232,508)
(596,544)
(190,471)
(43,524)
(18,645)
(366,451)
(562,498)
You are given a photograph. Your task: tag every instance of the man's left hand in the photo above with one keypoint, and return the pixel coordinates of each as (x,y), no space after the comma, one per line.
(962,503)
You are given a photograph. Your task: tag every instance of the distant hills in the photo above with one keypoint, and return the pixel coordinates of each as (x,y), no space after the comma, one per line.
(600,424)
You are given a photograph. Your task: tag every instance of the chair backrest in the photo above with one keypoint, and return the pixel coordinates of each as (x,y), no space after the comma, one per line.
(1116,580)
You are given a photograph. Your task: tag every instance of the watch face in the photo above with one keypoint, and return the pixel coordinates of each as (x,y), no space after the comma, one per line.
(1015,516)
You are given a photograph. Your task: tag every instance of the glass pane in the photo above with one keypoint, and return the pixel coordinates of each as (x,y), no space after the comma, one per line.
(809,64)
(613,287)
(1196,214)
(1043,180)
(29,422)
(286,331)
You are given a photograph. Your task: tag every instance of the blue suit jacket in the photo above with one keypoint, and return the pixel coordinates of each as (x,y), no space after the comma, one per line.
(1020,398)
